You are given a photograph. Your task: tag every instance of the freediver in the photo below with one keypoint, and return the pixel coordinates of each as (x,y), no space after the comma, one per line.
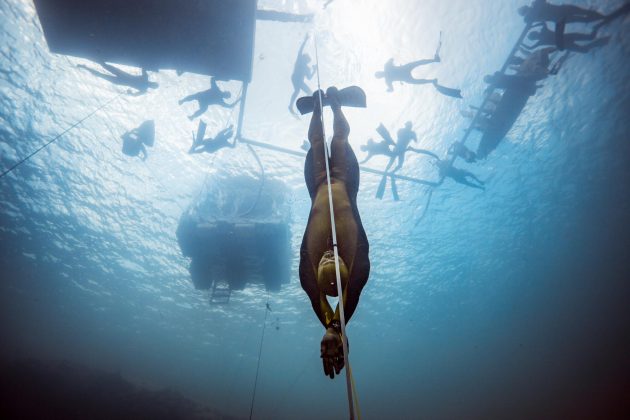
(373,148)
(393,73)
(565,41)
(301,70)
(205,98)
(446,170)
(135,140)
(317,262)
(211,145)
(139,82)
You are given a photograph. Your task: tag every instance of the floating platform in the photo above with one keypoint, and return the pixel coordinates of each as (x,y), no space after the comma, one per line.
(237,232)
(211,37)
(503,118)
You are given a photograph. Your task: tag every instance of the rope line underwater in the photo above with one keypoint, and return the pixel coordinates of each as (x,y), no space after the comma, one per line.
(58,136)
(262,338)
(342,318)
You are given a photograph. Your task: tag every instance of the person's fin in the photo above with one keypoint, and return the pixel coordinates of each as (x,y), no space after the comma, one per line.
(384,133)
(454,93)
(560,35)
(351,96)
(394,189)
(201,131)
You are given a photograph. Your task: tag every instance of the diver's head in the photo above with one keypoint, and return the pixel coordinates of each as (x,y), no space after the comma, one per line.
(225,94)
(534,35)
(408,125)
(153,85)
(379,74)
(326,274)
(523,10)
(306,58)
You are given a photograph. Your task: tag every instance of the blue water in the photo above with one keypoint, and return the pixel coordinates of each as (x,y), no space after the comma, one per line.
(505,303)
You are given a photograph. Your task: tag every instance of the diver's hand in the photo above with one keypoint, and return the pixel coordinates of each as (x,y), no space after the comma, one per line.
(332,353)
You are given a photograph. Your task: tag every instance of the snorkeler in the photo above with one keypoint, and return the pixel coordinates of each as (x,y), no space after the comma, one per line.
(460,176)
(392,73)
(301,70)
(134,140)
(541,11)
(317,262)
(139,82)
(205,98)
(381,148)
(211,145)
(565,41)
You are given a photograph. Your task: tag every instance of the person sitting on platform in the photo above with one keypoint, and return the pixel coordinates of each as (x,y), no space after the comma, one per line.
(447,170)
(139,82)
(301,70)
(212,96)
(541,11)
(211,145)
(537,66)
(565,41)
(134,140)
(317,257)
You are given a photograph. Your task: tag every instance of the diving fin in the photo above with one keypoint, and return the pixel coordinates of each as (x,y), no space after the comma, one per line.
(380,191)
(455,93)
(384,133)
(201,131)
(351,96)
(394,189)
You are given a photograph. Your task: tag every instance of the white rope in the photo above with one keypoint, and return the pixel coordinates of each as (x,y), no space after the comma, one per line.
(342,317)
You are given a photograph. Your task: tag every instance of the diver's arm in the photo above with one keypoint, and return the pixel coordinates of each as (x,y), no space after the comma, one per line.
(302,46)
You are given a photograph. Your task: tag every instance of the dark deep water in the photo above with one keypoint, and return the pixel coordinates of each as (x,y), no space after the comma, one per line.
(506,303)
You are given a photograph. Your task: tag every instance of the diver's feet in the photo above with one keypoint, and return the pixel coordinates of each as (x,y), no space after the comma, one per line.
(332,94)
(318,97)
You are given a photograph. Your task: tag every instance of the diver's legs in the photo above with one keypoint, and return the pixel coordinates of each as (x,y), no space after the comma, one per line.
(339,145)
(413,81)
(316,138)
(410,66)
(193,97)
(202,108)
(294,96)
